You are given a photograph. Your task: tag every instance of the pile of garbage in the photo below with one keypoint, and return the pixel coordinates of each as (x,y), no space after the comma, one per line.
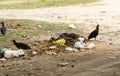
(66,38)
(66,42)
(69,42)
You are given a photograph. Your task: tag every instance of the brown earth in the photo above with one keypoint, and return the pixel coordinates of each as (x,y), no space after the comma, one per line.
(103,60)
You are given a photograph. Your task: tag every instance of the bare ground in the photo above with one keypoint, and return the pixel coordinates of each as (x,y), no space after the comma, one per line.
(105,59)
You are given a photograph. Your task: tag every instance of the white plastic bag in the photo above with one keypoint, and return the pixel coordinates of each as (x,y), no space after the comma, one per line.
(79,44)
(91,45)
(13,53)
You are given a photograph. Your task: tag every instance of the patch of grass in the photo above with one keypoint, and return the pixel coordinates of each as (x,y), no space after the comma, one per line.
(48,26)
(43,3)
(45,25)
(29,34)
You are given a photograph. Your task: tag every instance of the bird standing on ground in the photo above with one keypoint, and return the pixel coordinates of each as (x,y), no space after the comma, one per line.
(94,33)
(21,45)
(3,29)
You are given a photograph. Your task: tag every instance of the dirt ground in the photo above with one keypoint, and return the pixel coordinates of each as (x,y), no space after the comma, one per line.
(103,60)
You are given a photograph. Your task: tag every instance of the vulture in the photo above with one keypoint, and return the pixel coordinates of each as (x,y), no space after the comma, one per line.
(3,29)
(94,33)
(21,45)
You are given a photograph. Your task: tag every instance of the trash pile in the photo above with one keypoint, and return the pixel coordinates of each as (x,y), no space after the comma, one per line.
(71,40)
(65,39)
(66,42)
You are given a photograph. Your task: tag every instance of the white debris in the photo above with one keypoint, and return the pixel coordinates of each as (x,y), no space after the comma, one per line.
(34,53)
(52,47)
(58,33)
(63,64)
(91,45)
(81,39)
(13,53)
(79,44)
(69,49)
(2,59)
(72,26)
(51,53)
(3,50)
(40,26)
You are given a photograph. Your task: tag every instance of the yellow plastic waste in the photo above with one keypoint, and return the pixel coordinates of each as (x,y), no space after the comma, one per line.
(60,42)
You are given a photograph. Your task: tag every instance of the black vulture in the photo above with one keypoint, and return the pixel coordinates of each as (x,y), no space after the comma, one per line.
(3,29)
(21,45)
(94,33)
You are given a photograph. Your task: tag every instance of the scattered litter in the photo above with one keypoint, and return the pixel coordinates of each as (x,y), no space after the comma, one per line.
(3,50)
(91,45)
(81,39)
(60,42)
(3,59)
(72,26)
(58,33)
(52,47)
(79,44)
(40,26)
(63,64)
(34,53)
(112,57)
(13,53)
(51,53)
(69,49)
(24,36)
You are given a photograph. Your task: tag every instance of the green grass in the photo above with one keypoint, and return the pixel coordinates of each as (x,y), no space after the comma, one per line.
(44,3)
(19,33)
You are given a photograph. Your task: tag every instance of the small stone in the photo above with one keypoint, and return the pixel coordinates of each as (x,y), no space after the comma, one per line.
(69,49)
(72,65)
(52,47)
(34,53)
(63,64)
(51,53)
(24,36)
(91,45)
(111,43)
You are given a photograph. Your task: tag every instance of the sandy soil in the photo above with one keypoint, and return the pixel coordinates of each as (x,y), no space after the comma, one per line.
(105,59)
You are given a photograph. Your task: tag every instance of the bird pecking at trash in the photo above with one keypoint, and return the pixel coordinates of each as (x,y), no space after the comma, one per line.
(20,45)
(94,33)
